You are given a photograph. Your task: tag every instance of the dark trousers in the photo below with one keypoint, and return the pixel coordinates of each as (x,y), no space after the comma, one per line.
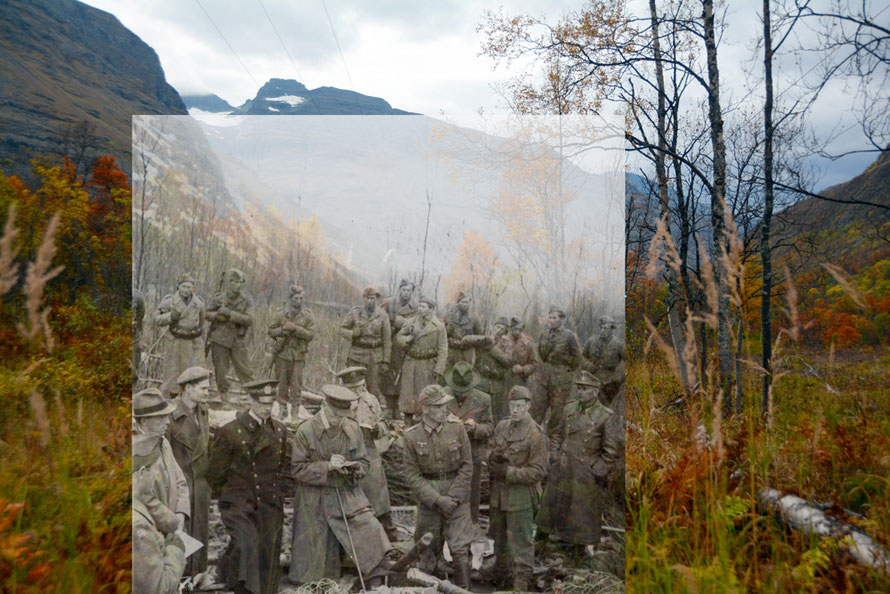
(290,382)
(514,547)
(223,357)
(254,550)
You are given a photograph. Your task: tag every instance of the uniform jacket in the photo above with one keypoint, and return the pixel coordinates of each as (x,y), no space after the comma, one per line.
(525,354)
(438,452)
(371,336)
(317,506)
(369,416)
(399,314)
(169,485)
(292,345)
(475,405)
(157,566)
(560,347)
(191,321)
(425,355)
(230,331)
(525,447)
(494,360)
(459,324)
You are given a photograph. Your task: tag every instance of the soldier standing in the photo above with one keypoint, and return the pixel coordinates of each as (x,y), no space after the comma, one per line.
(526,360)
(369,416)
(331,512)
(472,407)
(230,317)
(459,323)
(401,308)
(603,356)
(518,464)
(182,313)
(371,340)
(560,353)
(439,468)
(494,361)
(249,466)
(582,452)
(291,331)
(426,353)
(189,437)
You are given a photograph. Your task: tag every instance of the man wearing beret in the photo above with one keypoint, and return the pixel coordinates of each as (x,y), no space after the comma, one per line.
(153,453)
(368,330)
(439,468)
(189,437)
(459,323)
(292,329)
(560,353)
(583,451)
(400,308)
(472,407)
(182,314)
(249,469)
(332,515)
(426,354)
(369,416)
(518,464)
(230,317)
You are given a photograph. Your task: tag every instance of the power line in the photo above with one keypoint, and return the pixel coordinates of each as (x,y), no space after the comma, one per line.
(228,44)
(343,59)
(299,76)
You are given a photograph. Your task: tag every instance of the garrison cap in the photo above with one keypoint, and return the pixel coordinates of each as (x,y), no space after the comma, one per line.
(462,377)
(352,376)
(295,290)
(406,283)
(150,402)
(236,274)
(262,390)
(433,395)
(428,300)
(185,278)
(585,378)
(193,374)
(338,396)
(371,291)
(554,309)
(519,393)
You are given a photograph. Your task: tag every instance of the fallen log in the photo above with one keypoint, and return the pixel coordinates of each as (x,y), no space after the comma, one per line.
(800,514)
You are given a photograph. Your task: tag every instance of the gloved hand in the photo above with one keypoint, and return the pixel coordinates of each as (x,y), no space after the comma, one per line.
(175,315)
(498,470)
(447,504)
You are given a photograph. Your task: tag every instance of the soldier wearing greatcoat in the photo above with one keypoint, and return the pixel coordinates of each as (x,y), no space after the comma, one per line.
(291,330)
(400,308)
(426,353)
(182,314)
(526,360)
(249,469)
(560,353)
(439,468)
(332,515)
(518,464)
(459,323)
(230,317)
(368,330)
(494,360)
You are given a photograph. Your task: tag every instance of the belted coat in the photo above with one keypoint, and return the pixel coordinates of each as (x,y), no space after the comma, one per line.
(426,353)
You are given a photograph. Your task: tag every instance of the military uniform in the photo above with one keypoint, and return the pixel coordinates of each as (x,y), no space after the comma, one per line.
(560,354)
(399,314)
(189,437)
(587,445)
(426,354)
(289,352)
(605,360)
(182,342)
(439,462)
(525,355)
(371,343)
(522,447)
(249,465)
(320,529)
(369,416)
(168,483)
(227,337)
(158,561)
(494,363)
(457,325)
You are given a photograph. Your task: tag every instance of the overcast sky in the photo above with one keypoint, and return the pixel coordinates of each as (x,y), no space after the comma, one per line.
(419,56)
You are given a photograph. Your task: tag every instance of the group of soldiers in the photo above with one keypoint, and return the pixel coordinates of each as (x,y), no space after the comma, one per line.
(472,403)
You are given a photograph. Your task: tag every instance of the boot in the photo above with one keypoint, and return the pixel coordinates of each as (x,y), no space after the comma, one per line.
(461,572)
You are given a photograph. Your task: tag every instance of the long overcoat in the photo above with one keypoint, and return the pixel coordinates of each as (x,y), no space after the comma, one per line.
(369,415)
(320,491)
(588,446)
(249,463)
(157,564)
(182,341)
(189,437)
(426,354)
(168,483)
(399,315)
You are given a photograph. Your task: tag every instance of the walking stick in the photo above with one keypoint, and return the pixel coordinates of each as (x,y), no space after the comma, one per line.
(349,536)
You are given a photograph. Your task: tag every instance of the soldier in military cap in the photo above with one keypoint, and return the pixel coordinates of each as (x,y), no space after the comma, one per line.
(189,436)
(560,353)
(518,464)
(426,353)
(331,512)
(439,468)
(153,453)
(292,329)
(230,317)
(603,356)
(368,330)
(459,323)
(182,314)
(400,308)
(369,415)
(494,362)
(582,453)
(249,469)
(526,360)
(472,407)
